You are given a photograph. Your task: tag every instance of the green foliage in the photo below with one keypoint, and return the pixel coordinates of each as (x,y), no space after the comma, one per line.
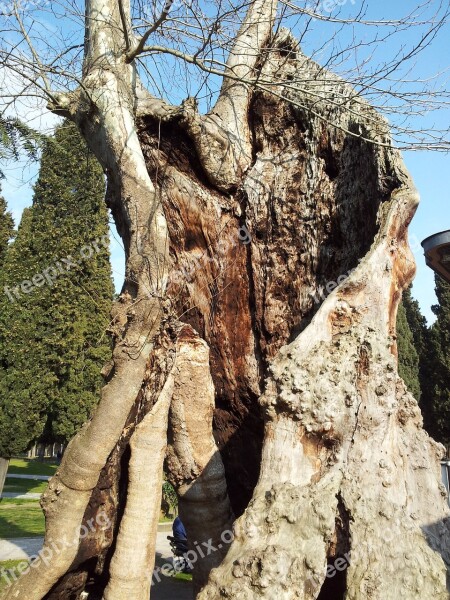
(424,360)
(52,342)
(437,389)
(416,321)
(17,137)
(408,357)
(169,502)
(6,229)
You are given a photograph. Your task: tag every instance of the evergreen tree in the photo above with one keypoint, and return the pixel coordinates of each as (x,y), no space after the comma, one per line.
(416,321)
(6,229)
(408,357)
(56,293)
(17,138)
(438,366)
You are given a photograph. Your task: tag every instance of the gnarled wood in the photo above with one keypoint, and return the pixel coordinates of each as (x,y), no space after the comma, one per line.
(239,224)
(194,464)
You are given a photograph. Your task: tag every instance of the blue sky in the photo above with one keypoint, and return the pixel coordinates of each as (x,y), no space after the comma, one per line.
(430,170)
(431,174)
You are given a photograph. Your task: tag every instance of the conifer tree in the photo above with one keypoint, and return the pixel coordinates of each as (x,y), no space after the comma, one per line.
(56,294)
(17,138)
(416,321)
(6,233)
(438,366)
(6,229)
(408,357)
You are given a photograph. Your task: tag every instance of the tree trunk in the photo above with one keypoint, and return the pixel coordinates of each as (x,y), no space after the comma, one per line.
(265,280)
(194,463)
(4,464)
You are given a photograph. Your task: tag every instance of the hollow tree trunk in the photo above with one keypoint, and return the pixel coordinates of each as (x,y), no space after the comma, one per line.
(345,463)
(237,224)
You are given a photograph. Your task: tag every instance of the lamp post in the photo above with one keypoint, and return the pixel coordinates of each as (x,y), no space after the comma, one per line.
(437,253)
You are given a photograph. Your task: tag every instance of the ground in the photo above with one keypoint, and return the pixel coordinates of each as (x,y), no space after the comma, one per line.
(22,528)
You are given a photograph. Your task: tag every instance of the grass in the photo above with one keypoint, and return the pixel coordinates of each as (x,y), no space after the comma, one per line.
(5,566)
(165,519)
(25,466)
(160,562)
(16,501)
(21,520)
(22,517)
(183,576)
(24,486)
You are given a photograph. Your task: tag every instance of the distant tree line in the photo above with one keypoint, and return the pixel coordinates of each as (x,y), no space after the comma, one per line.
(424,360)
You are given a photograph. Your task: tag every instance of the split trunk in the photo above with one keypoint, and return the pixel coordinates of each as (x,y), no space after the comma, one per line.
(265,267)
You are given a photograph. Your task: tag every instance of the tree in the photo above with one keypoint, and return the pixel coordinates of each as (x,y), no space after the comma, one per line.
(17,138)
(6,229)
(6,233)
(233,223)
(438,367)
(416,321)
(408,358)
(56,296)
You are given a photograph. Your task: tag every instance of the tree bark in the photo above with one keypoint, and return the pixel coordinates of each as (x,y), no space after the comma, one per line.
(134,557)
(263,281)
(194,464)
(4,464)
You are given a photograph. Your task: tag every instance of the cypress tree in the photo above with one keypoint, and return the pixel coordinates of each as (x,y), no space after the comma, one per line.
(17,138)
(408,357)
(438,366)
(6,233)
(56,291)
(6,229)
(416,321)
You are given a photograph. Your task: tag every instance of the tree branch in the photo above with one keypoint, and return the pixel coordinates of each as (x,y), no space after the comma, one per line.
(123,18)
(141,44)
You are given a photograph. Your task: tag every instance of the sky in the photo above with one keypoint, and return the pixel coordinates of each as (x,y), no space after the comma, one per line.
(430,170)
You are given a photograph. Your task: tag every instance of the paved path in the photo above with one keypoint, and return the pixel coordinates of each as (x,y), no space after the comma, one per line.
(25,495)
(167,588)
(20,548)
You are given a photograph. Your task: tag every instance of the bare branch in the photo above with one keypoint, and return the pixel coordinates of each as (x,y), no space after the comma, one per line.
(162,17)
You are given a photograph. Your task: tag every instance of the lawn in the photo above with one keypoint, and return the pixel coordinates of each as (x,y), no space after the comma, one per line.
(24,486)
(5,577)
(21,520)
(25,466)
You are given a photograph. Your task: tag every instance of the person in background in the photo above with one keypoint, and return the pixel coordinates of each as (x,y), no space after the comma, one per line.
(179,532)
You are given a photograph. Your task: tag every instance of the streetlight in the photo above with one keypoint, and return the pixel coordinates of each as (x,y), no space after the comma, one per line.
(437,253)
